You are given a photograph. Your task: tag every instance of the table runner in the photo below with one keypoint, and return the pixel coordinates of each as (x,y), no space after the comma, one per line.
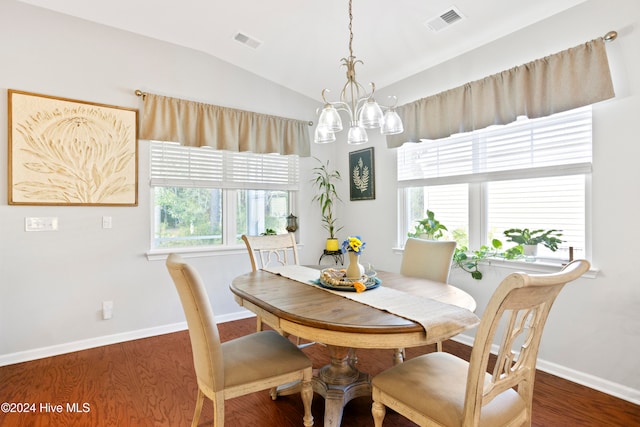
(437,318)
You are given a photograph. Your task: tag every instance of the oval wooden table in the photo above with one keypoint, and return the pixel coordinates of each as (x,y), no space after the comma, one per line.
(312,313)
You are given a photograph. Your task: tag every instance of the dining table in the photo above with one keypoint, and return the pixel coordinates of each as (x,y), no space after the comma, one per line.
(398,312)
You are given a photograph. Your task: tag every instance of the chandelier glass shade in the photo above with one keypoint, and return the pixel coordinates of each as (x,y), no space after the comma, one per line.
(361,107)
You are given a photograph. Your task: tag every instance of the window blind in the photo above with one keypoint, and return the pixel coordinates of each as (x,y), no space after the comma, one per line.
(557,145)
(175,165)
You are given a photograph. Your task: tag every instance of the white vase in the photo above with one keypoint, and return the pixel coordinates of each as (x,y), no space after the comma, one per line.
(354,270)
(530,252)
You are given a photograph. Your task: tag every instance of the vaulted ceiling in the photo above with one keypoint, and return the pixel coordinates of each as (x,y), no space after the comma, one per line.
(299,43)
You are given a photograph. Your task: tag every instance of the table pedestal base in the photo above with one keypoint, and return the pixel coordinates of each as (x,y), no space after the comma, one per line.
(339,382)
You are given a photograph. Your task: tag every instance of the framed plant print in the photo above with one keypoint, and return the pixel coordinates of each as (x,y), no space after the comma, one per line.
(362,175)
(65,152)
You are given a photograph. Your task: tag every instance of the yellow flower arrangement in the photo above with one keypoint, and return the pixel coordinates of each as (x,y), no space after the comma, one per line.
(353,244)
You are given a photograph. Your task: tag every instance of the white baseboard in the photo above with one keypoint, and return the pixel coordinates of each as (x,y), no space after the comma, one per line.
(55,350)
(614,389)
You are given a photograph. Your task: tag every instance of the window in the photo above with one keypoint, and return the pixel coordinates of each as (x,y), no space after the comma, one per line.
(203,197)
(533,173)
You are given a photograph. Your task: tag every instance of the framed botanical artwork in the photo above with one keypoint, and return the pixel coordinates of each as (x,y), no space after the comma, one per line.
(65,152)
(362,175)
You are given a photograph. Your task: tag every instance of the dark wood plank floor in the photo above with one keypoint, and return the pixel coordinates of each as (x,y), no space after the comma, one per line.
(151,382)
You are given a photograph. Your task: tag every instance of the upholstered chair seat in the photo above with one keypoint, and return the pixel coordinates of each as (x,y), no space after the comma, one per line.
(442,396)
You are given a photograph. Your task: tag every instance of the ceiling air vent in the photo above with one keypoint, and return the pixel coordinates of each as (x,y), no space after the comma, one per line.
(247,40)
(445,19)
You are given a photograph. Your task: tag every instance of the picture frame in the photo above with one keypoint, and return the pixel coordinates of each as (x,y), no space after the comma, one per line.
(362,175)
(65,152)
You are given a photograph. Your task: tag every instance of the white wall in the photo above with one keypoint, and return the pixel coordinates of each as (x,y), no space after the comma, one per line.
(52,284)
(593,333)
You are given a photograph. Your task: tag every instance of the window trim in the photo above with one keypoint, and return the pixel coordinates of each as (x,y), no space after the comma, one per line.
(208,168)
(478,182)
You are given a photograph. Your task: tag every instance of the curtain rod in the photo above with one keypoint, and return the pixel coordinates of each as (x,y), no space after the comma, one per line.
(138,92)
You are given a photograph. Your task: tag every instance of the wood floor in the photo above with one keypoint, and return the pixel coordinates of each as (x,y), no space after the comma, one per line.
(151,382)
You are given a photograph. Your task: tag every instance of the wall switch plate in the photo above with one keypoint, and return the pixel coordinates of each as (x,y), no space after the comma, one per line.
(41,223)
(107,222)
(107,310)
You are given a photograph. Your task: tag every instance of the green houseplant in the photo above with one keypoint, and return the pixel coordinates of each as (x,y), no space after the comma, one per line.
(324,180)
(529,239)
(428,228)
(468,260)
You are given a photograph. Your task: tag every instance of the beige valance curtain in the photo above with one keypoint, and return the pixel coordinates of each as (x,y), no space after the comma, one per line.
(196,124)
(569,79)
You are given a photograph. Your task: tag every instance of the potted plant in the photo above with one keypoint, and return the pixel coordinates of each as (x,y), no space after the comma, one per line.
(468,260)
(324,180)
(529,239)
(428,228)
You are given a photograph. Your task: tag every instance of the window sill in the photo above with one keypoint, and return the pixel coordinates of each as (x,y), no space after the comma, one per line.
(205,251)
(196,252)
(537,267)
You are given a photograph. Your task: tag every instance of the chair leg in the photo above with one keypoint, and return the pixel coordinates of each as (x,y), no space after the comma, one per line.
(196,414)
(218,410)
(307,396)
(439,346)
(258,324)
(378,410)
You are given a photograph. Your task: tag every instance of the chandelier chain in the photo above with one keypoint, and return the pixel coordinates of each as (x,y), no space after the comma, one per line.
(350,31)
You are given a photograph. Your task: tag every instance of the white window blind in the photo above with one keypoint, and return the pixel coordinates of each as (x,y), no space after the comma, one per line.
(541,203)
(175,165)
(551,146)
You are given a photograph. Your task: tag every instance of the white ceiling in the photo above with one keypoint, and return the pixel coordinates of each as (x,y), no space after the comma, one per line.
(302,41)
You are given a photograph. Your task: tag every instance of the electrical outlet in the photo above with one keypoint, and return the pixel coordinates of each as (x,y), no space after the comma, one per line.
(107,222)
(107,310)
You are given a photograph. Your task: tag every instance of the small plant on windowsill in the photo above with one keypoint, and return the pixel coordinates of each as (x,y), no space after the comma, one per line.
(428,228)
(469,260)
(530,239)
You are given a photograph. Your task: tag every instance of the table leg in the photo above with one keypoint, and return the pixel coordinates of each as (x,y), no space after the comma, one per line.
(339,382)
(398,356)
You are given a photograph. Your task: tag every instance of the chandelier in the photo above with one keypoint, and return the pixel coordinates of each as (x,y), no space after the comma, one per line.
(363,110)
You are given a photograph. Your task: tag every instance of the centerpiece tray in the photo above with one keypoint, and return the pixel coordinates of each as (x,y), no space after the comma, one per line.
(335,279)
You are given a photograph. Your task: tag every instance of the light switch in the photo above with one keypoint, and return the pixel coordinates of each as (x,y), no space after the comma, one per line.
(41,224)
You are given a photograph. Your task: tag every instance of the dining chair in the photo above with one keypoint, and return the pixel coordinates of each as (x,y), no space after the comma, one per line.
(255,362)
(440,389)
(427,259)
(271,249)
